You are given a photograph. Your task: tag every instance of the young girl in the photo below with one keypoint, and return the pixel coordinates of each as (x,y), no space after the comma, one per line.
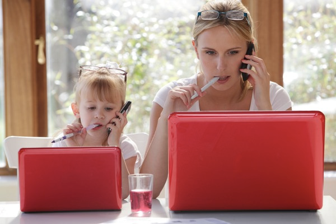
(222,32)
(99,95)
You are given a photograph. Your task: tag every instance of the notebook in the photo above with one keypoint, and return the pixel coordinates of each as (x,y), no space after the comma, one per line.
(265,160)
(70,179)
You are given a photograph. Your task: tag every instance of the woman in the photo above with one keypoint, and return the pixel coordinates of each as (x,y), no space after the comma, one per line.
(222,33)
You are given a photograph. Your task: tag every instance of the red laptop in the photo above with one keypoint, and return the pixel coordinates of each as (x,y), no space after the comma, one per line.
(70,179)
(265,160)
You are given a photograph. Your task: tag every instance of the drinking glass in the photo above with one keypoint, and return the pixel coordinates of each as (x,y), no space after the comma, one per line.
(141,191)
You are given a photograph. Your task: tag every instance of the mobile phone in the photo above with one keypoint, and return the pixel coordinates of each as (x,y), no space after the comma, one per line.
(126,107)
(249,51)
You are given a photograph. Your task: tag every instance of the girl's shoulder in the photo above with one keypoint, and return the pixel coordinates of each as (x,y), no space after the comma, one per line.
(129,149)
(127,141)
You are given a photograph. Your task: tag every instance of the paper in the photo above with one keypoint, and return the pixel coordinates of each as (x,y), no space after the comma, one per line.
(150,220)
(9,210)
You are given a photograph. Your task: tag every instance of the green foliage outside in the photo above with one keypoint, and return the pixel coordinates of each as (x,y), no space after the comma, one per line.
(310,55)
(150,39)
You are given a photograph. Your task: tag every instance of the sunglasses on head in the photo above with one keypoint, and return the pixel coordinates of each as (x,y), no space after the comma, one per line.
(111,68)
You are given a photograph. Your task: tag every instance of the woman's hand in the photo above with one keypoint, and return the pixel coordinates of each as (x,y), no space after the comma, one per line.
(179,99)
(78,139)
(116,126)
(260,80)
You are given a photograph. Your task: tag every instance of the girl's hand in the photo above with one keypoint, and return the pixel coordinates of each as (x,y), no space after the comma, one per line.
(179,99)
(77,140)
(116,125)
(260,80)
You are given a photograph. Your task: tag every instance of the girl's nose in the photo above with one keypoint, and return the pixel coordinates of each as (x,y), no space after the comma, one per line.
(99,115)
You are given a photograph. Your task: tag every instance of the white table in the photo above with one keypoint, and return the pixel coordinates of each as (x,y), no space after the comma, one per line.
(10,213)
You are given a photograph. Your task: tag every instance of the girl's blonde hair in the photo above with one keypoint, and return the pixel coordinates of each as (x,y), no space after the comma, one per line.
(102,84)
(241,28)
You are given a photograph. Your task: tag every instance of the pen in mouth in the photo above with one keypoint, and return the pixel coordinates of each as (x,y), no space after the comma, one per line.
(210,83)
(92,126)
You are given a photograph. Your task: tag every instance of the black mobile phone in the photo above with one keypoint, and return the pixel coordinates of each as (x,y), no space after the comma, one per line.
(126,107)
(249,51)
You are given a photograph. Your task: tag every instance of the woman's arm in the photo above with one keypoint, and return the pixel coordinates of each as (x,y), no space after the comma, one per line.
(156,158)
(127,167)
(260,80)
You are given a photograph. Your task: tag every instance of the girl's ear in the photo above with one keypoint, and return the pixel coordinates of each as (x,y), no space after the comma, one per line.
(195,47)
(75,110)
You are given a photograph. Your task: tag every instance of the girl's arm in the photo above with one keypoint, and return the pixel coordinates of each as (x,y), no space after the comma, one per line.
(116,126)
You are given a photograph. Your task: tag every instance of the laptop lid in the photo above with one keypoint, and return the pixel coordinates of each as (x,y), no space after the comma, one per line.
(70,179)
(261,160)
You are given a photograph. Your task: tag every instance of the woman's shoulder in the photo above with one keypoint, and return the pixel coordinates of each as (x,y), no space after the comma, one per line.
(280,98)
(274,86)
(276,89)
(162,94)
(183,81)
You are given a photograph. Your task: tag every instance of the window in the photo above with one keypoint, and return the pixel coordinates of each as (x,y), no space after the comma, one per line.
(145,38)
(310,61)
(152,40)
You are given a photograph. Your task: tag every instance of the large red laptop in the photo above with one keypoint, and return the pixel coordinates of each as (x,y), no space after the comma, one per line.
(70,179)
(263,160)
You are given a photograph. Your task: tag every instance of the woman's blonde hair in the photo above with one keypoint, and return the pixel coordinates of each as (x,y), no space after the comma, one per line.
(102,84)
(243,29)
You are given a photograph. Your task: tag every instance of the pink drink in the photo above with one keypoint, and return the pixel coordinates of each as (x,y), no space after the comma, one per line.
(141,201)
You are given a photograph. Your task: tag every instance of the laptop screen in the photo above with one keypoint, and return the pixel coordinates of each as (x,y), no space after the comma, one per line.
(265,160)
(70,179)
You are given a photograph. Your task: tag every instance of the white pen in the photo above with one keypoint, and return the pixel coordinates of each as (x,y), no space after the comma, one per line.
(210,83)
(74,133)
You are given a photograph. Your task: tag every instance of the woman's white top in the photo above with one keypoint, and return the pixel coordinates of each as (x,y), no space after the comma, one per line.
(280,99)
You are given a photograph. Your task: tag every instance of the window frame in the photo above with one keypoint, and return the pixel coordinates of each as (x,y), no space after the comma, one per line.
(25,79)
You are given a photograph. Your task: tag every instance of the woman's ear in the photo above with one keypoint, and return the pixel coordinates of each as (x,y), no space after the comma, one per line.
(75,110)
(195,47)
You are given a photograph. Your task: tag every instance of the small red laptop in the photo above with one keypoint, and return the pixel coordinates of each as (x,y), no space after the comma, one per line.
(70,179)
(253,160)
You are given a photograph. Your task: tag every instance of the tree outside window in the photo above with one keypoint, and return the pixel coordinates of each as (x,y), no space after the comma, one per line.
(310,61)
(150,39)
